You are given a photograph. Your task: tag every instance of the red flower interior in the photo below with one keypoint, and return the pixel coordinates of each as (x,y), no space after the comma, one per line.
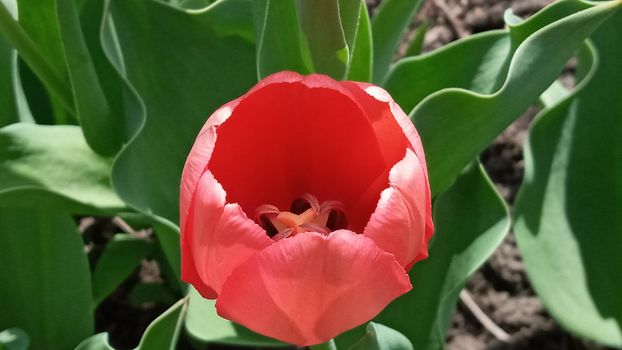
(287,139)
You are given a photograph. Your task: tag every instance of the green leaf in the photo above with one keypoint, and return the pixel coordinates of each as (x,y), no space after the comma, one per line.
(445,117)
(322,29)
(121,256)
(40,59)
(100,123)
(96,342)
(163,332)
(199,61)
(280,42)
(361,52)
(388,24)
(482,61)
(14,339)
(168,237)
(568,222)
(416,44)
(204,325)
(379,337)
(8,107)
(41,46)
(471,220)
(45,278)
(53,166)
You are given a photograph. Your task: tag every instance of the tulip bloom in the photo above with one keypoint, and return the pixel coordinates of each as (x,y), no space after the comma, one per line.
(303,205)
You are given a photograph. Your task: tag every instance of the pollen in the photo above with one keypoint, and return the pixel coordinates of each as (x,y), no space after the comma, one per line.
(306,214)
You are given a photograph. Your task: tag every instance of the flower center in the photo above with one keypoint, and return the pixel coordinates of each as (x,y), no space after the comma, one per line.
(306,214)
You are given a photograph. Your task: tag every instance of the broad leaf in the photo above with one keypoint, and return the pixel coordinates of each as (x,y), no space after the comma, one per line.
(320,22)
(100,122)
(163,332)
(96,342)
(121,256)
(379,337)
(388,24)
(568,222)
(42,48)
(8,108)
(168,237)
(280,42)
(361,52)
(204,325)
(183,65)
(444,117)
(53,166)
(45,278)
(471,220)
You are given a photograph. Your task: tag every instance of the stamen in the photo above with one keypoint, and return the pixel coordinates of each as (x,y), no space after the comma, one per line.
(315,228)
(300,205)
(283,234)
(306,215)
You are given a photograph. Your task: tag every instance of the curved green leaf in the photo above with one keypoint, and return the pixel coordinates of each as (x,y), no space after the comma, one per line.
(163,332)
(568,222)
(361,52)
(96,342)
(121,256)
(204,325)
(8,108)
(199,61)
(45,278)
(321,25)
(280,42)
(388,24)
(445,116)
(52,166)
(379,337)
(38,40)
(101,124)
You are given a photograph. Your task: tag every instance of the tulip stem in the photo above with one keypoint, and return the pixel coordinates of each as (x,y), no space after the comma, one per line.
(329,345)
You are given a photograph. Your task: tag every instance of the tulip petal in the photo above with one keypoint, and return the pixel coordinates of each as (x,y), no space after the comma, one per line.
(398,224)
(292,135)
(309,288)
(198,158)
(392,108)
(220,236)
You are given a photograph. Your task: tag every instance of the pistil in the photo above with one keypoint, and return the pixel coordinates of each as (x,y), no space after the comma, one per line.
(306,214)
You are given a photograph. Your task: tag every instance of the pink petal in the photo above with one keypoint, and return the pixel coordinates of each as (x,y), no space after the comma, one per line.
(292,135)
(309,288)
(198,158)
(398,225)
(409,130)
(220,236)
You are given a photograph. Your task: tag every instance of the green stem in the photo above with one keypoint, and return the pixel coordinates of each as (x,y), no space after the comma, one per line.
(329,345)
(29,52)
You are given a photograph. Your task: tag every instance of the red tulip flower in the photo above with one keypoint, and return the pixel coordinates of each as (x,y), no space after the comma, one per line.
(303,205)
